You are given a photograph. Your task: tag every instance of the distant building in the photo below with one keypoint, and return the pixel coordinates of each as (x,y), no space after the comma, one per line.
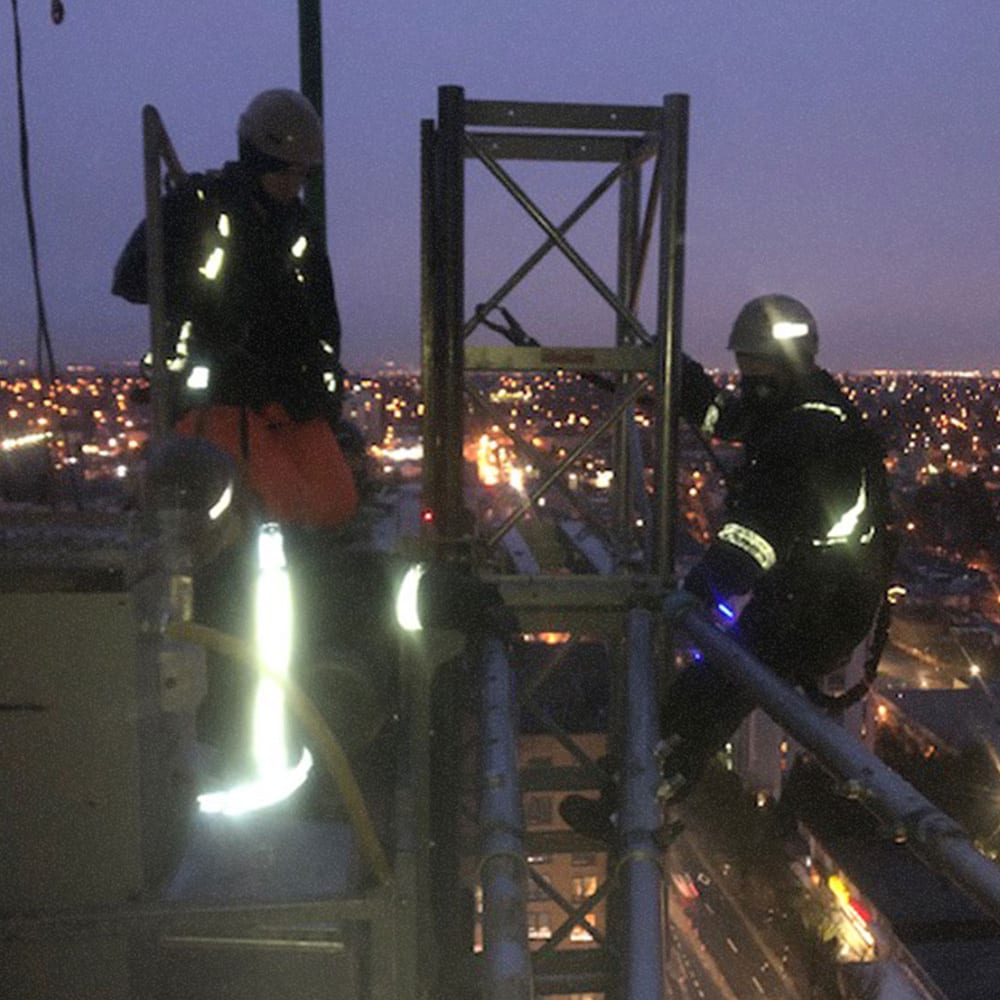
(362,407)
(762,753)
(948,720)
(928,939)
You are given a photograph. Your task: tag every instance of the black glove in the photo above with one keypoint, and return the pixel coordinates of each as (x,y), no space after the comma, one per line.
(314,392)
(699,583)
(452,597)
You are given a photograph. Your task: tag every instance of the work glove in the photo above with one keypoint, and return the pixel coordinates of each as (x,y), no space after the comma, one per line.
(452,597)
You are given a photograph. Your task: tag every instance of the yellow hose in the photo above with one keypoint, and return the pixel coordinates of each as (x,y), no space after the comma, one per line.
(321,738)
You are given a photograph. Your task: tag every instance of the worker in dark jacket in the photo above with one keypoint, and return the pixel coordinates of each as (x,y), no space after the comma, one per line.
(799,568)
(253,315)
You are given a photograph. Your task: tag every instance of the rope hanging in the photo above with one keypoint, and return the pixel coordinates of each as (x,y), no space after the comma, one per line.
(43,339)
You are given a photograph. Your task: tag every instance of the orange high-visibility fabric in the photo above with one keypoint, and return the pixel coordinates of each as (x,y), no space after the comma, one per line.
(297,469)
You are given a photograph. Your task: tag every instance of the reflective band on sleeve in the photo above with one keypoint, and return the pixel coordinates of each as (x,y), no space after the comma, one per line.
(756,546)
(834,411)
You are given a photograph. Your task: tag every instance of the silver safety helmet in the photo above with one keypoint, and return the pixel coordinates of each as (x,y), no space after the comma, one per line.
(778,327)
(284,125)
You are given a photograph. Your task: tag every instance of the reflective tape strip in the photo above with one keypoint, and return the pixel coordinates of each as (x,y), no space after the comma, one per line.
(25,440)
(789,331)
(847,523)
(199,377)
(756,546)
(211,268)
(835,411)
(711,418)
(407,608)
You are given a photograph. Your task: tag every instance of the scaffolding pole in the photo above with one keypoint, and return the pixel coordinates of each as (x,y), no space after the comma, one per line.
(502,870)
(640,861)
(154,141)
(932,835)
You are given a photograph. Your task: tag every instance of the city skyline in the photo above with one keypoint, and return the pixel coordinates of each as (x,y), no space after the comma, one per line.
(95,430)
(844,155)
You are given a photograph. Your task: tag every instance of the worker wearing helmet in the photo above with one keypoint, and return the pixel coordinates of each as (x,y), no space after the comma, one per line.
(798,569)
(251,306)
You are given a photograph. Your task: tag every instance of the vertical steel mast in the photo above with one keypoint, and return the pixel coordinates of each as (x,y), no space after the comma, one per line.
(311,85)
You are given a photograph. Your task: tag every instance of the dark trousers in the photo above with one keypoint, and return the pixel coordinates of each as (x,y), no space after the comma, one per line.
(702,707)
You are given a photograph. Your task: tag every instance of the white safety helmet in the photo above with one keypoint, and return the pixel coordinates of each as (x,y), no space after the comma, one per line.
(778,327)
(283,125)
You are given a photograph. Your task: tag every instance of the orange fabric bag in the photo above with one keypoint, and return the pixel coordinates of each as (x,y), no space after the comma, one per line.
(297,469)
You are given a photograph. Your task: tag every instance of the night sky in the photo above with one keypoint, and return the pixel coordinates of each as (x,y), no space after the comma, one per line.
(844,152)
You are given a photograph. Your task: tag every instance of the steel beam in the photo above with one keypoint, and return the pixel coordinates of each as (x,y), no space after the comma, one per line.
(929,833)
(673,168)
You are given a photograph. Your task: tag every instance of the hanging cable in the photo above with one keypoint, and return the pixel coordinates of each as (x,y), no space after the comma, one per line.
(43,339)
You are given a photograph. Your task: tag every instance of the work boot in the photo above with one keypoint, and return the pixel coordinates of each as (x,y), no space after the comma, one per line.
(597,819)
(594,818)
(668,833)
(675,784)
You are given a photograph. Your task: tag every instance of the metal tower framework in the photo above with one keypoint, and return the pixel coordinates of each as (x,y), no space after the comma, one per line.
(639,362)
(615,605)
(629,603)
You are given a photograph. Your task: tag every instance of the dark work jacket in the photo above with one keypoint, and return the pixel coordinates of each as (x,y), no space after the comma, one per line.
(805,535)
(249,295)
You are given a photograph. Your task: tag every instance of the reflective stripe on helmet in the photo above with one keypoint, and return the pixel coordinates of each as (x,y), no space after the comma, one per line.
(789,331)
(749,541)
(775,326)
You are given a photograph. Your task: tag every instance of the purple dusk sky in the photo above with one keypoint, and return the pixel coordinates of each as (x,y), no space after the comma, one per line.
(845,152)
